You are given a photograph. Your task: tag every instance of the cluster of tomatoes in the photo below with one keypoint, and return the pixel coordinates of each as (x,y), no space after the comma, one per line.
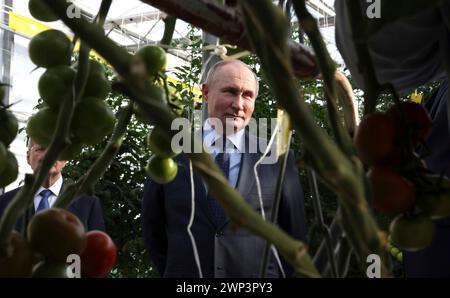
(400,182)
(92,119)
(54,235)
(161,167)
(9,127)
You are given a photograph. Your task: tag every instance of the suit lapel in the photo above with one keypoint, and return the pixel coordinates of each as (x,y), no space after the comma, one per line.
(246,178)
(202,196)
(64,185)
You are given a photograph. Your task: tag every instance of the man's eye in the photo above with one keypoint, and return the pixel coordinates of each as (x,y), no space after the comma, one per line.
(248,96)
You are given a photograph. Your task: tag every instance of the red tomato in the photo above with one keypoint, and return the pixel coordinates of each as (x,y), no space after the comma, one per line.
(99,255)
(376,140)
(391,192)
(417,122)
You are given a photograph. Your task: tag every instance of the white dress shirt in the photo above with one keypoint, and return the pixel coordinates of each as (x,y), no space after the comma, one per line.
(55,188)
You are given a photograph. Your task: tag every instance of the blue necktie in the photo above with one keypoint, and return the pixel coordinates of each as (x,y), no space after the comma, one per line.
(44,204)
(223,161)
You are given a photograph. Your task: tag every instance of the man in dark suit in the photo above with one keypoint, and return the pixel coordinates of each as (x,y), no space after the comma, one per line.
(86,208)
(408,53)
(230,91)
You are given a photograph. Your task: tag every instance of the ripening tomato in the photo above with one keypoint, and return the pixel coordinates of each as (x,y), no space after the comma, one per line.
(99,256)
(412,233)
(413,121)
(376,140)
(56,233)
(392,193)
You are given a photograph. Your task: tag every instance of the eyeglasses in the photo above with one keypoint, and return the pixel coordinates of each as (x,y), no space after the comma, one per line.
(37,149)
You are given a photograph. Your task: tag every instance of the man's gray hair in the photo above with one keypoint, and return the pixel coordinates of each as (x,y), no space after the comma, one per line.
(212,71)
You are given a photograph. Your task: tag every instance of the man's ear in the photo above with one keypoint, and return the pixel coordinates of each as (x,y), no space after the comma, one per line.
(205,91)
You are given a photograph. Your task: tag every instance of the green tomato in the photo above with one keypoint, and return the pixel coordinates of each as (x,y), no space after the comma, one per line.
(161,170)
(50,269)
(160,144)
(3,157)
(2,92)
(9,174)
(71,151)
(436,205)
(39,10)
(394,251)
(41,126)
(153,93)
(56,83)
(50,48)
(412,233)
(92,121)
(97,84)
(9,126)
(154,58)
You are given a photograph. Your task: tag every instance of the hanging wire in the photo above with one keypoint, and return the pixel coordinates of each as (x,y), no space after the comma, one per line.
(261,204)
(275,209)
(191,221)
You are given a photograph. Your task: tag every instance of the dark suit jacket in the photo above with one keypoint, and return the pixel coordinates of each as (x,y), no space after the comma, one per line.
(86,208)
(222,252)
(434,260)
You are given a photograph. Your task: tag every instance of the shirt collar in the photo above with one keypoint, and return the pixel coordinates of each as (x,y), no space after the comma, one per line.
(210,135)
(55,187)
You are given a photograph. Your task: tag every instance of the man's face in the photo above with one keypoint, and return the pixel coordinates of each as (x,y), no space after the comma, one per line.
(35,155)
(231,95)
